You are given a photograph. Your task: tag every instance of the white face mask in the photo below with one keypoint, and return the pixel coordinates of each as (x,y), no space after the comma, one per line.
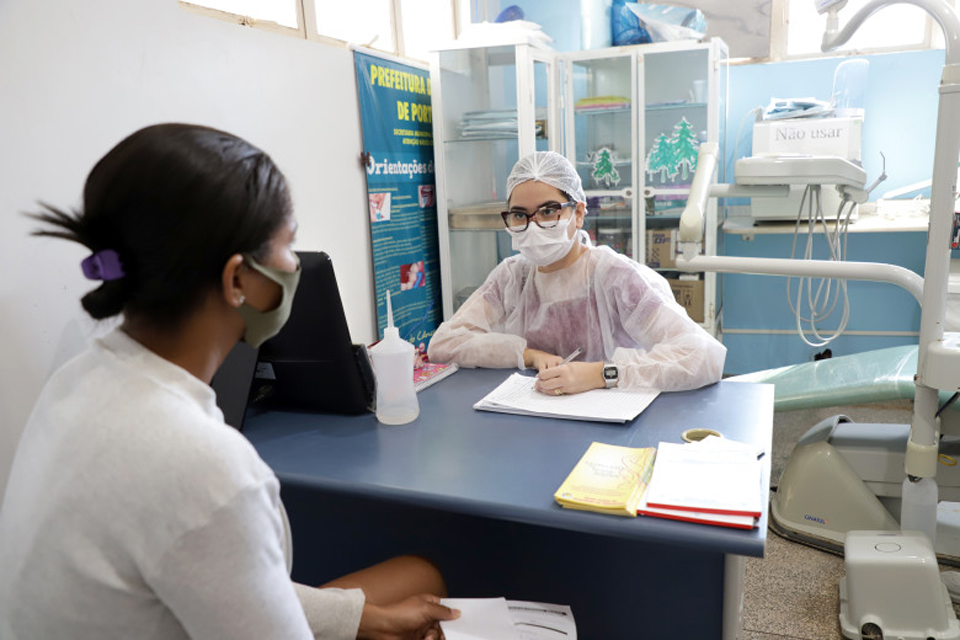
(543,247)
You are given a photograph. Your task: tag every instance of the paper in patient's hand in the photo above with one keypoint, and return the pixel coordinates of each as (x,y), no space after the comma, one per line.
(517,394)
(541,621)
(501,619)
(480,619)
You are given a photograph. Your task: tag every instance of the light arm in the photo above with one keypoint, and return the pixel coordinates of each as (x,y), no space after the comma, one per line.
(691,222)
(940,10)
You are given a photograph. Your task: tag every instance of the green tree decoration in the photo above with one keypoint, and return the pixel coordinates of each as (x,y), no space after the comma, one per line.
(603,167)
(661,159)
(685,149)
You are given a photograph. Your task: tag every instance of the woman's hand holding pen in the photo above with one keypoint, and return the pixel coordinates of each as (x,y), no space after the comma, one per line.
(573,377)
(558,376)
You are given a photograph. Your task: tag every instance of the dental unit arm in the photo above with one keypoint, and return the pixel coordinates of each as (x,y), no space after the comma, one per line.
(938,360)
(692,228)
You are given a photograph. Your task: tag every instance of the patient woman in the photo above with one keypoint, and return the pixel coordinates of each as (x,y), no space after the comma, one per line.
(561,294)
(132,510)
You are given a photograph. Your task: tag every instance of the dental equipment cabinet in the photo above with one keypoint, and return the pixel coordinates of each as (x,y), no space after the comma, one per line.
(892,585)
(629,118)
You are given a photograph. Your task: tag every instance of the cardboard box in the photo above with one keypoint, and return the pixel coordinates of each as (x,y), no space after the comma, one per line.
(661,248)
(811,136)
(479,216)
(689,293)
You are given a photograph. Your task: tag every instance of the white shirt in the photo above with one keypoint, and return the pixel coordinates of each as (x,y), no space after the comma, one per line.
(133,511)
(613,308)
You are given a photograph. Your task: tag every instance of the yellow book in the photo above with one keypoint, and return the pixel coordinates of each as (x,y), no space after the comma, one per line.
(608,479)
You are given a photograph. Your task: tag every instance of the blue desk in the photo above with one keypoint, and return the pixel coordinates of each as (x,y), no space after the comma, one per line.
(473,491)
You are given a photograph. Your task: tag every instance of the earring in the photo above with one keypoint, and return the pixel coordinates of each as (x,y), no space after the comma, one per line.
(241,299)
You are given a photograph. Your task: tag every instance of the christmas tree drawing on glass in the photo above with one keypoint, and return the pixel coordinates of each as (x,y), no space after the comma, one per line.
(685,148)
(603,167)
(661,159)
(673,156)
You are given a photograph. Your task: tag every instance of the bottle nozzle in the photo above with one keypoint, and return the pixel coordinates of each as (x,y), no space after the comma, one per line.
(389,310)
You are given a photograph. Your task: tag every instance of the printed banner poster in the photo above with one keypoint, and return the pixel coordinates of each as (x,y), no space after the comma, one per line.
(397,123)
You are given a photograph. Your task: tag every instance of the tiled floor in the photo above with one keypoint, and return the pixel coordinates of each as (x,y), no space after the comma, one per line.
(793,592)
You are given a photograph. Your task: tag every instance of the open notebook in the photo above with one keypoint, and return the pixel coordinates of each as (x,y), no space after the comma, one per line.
(517,395)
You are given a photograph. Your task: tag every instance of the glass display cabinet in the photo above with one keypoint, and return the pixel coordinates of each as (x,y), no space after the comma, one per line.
(634,118)
(492,105)
(600,131)
(631,120)
(684,96)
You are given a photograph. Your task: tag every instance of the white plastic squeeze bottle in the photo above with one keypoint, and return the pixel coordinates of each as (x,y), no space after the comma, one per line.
(393,367)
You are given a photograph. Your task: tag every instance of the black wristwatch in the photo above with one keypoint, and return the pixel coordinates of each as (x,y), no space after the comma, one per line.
(611,375)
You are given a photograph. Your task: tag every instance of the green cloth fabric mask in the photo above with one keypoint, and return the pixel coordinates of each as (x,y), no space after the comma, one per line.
(263,325)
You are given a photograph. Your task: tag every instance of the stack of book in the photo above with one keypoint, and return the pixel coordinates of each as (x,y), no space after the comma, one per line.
(480,125)
(488,124)
(602,103)
(714,481)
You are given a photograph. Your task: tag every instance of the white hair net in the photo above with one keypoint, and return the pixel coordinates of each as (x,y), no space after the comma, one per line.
(550,168)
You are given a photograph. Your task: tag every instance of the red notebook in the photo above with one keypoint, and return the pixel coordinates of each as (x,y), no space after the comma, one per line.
(702,517)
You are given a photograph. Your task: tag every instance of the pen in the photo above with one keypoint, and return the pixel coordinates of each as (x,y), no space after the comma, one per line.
(573,355)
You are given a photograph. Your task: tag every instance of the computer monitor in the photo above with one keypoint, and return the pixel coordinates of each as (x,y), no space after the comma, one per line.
(232,383)
(311,365)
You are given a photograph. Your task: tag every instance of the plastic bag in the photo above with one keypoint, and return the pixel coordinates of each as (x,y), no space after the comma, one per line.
(511,13)
(641,23)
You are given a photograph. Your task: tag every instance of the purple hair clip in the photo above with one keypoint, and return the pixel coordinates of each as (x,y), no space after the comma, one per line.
(103,265)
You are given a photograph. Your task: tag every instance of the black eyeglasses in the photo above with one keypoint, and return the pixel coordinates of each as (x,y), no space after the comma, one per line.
(547,216)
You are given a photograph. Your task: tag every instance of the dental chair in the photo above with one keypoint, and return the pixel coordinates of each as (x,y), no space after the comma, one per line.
(861,463)
(845,476)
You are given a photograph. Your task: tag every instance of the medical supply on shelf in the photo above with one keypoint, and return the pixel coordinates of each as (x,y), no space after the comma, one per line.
(792,108)
(393,366)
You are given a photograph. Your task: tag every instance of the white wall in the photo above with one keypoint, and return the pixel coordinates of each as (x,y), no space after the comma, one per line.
(76,77)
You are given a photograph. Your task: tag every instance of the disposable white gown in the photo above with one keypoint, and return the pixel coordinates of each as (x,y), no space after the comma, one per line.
(614,308)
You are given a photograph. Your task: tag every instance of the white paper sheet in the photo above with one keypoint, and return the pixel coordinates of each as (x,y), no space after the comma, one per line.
(725,444)
(501,619)
(480,619)
(541,621)
(517,395)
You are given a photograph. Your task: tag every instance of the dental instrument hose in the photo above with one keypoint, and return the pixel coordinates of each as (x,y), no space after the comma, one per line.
(822,299)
